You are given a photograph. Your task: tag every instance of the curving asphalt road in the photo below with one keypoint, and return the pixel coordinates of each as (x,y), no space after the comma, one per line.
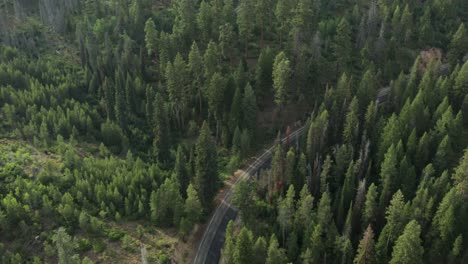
(209,249)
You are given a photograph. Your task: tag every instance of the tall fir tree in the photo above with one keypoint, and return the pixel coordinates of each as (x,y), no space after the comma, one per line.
(206,167)
(408,247)
(366,252)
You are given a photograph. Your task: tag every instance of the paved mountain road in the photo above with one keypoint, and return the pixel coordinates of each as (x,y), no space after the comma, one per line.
(209,249)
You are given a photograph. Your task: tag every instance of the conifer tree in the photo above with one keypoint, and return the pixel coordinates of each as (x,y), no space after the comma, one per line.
(342,46)
(290,166)
(249,109)
(325,174)
(185,19)
(260,251)
(206,171)
(388,174)
(351,127)
(458,45)
(263,14)
(211,60)
(276,255)
(229,244)
(366,251)
(205,20)
(151,37)
(245,141)
(304,210)
(443,154)
(281,76)
(347,191)
(65,247)
(286,212)
(161,140)
(243,253)
(193,209)
(227,37)
(396,220)
(246,21)
(460,88)
(408,248)
(195,67)
(180,171)
(264,74)
(283,12)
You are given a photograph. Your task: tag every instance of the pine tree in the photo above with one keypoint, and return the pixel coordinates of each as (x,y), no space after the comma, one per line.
(215,94)
(205,20)
(347,192)
(236,109)
(206,179)
(326,223)
(245,141)
(277,165)
(389,136)
(211,60)
(351,127)
(193,208)
(180,171)
(249,109)
(325,174)
(130,93)
(65,247)
(246,21)
(166,204)
(109,95)
(408,248)
(388,174)
(120,103)
(367,89)
(229,244)
(264,74)
(301,171)
(289,167)
(283,12)
(195,67)
(236,141)
(227,40)
(260,251)
(244,199)
(443,154)
(345,250)
(263,14)
(458,45)
(342,46)
(304,19)
(276,255)
(281,76)
(286,212)
(456,249)
(161,140)
(422,152)
(317,135)
(304,210)
(396,220)
(185,19)
(243,253)
(460,88)
(366,251)
(151,37)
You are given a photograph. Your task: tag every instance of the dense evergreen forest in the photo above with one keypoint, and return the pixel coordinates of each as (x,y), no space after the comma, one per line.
(120,120)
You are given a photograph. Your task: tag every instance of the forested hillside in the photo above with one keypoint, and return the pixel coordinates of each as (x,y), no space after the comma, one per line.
(120,120)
